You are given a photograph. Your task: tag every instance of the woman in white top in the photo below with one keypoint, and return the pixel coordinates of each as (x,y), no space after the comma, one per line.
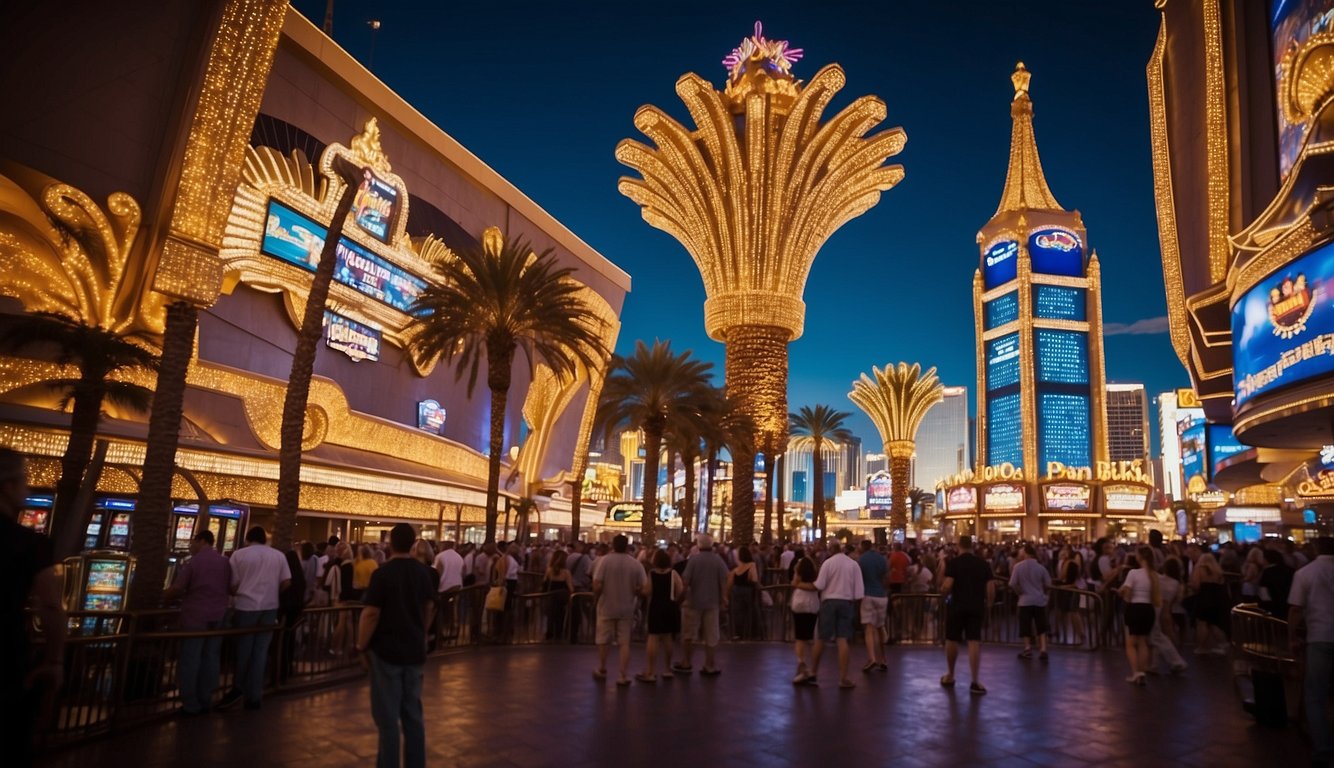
(1143,596)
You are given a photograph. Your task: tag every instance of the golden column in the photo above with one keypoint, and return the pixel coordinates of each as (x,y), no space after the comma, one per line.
(752,193)
(897,400)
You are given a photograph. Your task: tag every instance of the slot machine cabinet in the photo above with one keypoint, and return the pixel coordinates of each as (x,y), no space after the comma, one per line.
(97,582)
(226,519)
(109,524)
(36,513)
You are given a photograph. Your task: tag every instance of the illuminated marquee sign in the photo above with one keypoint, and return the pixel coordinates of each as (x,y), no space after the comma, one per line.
(1102,471)
(1056,252)
(357,341)
(431,417)
(1283,327)
(298,240)
(1319,485)
(1066,497)
(1125,498)
(625,512)
(961,499)
(1000,264)
(374,205)
(1003,498)
(1222,445)
(1252,515)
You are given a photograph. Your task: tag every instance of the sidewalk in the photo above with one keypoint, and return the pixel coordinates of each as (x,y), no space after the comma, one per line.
(539,706)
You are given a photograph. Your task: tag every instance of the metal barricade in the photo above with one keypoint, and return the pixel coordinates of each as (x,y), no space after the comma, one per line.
(1073,617)
(1261,640)
(916,618)
(775,623)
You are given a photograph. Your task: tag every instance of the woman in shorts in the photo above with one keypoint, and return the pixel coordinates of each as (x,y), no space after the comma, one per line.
(1143,596)
(805,608)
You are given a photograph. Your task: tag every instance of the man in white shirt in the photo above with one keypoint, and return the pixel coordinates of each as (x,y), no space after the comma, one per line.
(785,559)
(840,586)
(1311,631)
(449,564)
(259,574)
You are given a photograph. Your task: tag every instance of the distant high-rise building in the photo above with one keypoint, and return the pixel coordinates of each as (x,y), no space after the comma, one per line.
(1127,422)
(876,462)
(942,440)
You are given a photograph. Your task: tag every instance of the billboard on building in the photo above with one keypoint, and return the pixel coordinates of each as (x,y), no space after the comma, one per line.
(1283,327)
(1000,264)
(1056,251)
(1292,23)
(374,205)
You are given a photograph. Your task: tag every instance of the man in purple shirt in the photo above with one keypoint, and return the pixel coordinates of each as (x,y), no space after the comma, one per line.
(202,585)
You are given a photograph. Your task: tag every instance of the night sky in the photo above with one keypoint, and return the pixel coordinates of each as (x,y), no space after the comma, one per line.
(542,92)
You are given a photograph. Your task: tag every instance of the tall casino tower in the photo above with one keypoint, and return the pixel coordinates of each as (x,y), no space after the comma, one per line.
(1038,309)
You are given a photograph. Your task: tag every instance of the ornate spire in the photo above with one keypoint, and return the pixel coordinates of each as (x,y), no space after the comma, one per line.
(1025,186)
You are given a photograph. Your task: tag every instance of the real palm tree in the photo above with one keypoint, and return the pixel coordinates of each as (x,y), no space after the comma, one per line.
(685,438)
(292,430)
(106,363)
(492,302)
(149,545)
(649,390)
(917,500)
(814,427)
(897,400)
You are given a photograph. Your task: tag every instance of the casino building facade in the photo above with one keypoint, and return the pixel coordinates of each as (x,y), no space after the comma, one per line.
(1043,468)
(1243,126)
(198,166)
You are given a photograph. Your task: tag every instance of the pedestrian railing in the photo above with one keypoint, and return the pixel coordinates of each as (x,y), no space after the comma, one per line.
(1261,639)
(916,618)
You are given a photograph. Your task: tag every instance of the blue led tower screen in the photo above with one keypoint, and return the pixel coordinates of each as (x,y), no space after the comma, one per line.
(1001,310)
(1000,264)
(1063,356)
(1057,302)
(1004,431)
(1064,431)
(1056,252)
(1003,362)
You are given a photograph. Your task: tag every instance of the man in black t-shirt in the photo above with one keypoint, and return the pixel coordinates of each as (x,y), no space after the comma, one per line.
(27,574)
(969,589)
(392,641)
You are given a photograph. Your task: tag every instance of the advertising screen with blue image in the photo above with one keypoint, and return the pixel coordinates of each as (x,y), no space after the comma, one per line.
(292,237)
(1000,264)
(1222,444)
(296,239)
(1003,362)
(1244,533)
(1054,251)
(1283,327)
(1291,24)
(1193,448)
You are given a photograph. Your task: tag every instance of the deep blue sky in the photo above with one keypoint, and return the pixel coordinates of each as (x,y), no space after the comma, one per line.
(542,92)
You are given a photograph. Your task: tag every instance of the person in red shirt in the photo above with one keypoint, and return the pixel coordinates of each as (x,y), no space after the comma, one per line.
(899,562)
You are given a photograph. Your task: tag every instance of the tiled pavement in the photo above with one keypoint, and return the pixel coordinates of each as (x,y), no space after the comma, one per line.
(539,706)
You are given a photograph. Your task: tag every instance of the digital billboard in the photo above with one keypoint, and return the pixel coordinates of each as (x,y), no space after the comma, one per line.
(357,341)
(1059,302)
(296,239)
(374,205)
(1000,264)
(1222,444)
(1005,431)
(1283,327)
(367,273)
(961,499)
(1194,446)
(1125,498)
(1001,310)
(431,417)
(879,493)
(292,237)
(1292,23)
(1062,356)
(1065,434)
(1003,362)
(1054,251)
(1003,498)
(1066,497)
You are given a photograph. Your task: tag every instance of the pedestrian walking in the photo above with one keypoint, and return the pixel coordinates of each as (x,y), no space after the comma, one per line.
(1311,636)
(664,615)
(1143,597)
(1030,581)
(840,585)
(618,582)
(705,579)
(805,603)
(875,604)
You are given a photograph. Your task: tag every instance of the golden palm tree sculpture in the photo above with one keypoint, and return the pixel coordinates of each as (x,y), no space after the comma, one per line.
(897,400)
(753,192)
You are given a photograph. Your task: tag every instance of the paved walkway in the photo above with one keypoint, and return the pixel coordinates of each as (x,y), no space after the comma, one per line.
(539,706)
